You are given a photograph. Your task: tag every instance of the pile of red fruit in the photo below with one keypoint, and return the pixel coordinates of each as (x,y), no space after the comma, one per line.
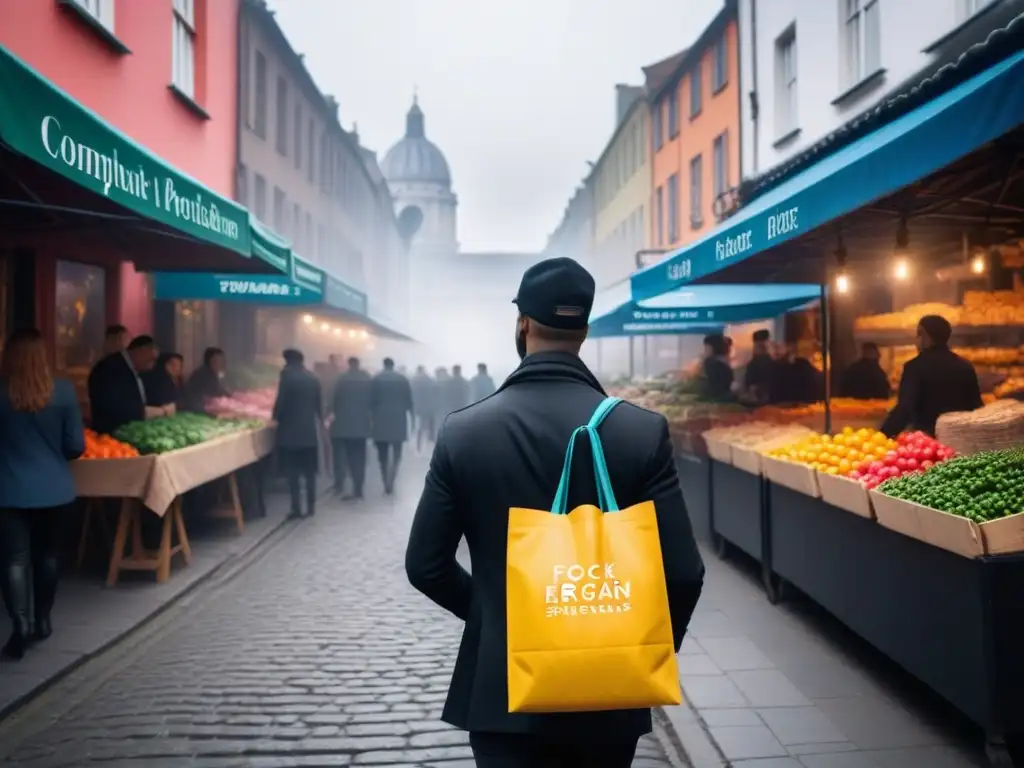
(915,452)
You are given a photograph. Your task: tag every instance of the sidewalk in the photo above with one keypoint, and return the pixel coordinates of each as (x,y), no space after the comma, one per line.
(88,616)
(786,686)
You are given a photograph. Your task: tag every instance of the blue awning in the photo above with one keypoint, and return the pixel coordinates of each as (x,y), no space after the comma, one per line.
(698,309)
(910,148)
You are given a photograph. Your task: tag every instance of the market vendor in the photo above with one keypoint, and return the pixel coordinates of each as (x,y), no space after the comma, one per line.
(864,378)
(206,381)
(757,381)
(717,373)
(935,382)
(164,384)
(116,392)
(795,380)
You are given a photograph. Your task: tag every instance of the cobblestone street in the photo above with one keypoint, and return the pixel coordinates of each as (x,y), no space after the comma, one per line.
(319,654)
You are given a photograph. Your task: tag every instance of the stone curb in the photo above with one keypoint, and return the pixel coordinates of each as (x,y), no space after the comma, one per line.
(693,739)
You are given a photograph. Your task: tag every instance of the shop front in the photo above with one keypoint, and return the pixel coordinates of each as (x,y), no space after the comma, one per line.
(914,210)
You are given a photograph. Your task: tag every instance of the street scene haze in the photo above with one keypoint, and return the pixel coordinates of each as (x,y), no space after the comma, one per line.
(567,384)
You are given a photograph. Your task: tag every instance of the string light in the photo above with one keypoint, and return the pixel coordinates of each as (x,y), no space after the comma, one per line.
(842,283)
(901,269)
(842,279)
(901,266)
(307,319)
(978,265)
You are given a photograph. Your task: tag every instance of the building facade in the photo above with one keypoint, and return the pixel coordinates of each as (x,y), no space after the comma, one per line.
(810,66)
(163,73)
(695,143)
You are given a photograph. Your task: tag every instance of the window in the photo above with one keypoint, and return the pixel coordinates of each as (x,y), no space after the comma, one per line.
(720,153)
(786,118)
(720,64)
(659,125)
(967,8)
(260,118)
(296,224)
(673,112)
(101,10)
(861,42)
(282,116)
(260,201)
(311,146)
(242,185)
(80,311)
(183,48)
(659,202)
(280,207)
(309,231)
(298,136)
(325,163)
(696,206)
(673,208)
(695,92)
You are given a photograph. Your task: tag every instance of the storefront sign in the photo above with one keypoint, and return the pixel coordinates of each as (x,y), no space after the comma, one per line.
(201,286)
(688,315)
(341,296)
(307,275)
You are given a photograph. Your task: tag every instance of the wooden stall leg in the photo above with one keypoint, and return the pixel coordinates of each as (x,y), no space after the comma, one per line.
(83,539)
(138,551)
(179,527)
(163,565)
(236,503)
(124,522)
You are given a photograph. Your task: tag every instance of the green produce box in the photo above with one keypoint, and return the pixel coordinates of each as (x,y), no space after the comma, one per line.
(950,532)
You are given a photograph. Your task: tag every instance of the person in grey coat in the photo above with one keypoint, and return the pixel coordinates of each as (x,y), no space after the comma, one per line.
(454,393)
(350,421)
(392,405)
(297,411)
(481,385)
(424,401)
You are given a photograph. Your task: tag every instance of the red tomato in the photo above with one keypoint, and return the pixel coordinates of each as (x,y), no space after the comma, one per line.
(913,464)
(855,475)
(928,453)
(890,458)
(876,467)
(901,464)
(927,464)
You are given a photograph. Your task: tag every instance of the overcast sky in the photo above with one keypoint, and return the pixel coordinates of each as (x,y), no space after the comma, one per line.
(519,95)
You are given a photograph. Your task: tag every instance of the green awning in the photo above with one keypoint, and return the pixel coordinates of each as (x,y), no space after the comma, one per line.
(44,124)
(268,246)
(305,274)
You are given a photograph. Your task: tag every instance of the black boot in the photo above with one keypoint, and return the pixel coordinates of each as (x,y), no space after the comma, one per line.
(16,596)
(44,578)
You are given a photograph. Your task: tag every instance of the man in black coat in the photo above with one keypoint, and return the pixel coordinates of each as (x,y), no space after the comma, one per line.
(507,451)
(392,407)
(935,382)
(297,411)
(117,395)
(351,425)
(454,392)
(864,378)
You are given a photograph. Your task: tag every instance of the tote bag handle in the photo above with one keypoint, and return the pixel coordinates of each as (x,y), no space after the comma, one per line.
(605,494)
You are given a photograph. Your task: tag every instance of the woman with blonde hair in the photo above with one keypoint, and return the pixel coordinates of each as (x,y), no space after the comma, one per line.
(40,432)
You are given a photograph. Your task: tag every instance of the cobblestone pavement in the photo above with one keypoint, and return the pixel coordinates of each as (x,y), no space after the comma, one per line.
(319,654)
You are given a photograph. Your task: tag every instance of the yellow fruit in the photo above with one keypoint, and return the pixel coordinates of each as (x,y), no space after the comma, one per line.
(832,471)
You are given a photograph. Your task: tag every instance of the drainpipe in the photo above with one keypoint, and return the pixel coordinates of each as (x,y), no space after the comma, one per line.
(754,106)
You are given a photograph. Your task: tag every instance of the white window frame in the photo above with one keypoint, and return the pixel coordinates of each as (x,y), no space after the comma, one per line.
(183,47)
(720,164)
(787,103)
(861,43)
(696,191)
(101,10)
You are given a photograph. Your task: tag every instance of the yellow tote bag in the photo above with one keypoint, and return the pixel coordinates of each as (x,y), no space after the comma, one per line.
(587,608)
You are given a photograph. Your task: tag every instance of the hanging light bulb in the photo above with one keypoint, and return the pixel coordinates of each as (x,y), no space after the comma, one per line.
(843,283)
(901,265)
(307,319)
(842,278)
(978,265)
(325,327)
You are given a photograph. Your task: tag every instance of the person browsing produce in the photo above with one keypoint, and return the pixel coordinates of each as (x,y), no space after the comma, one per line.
(864,378)
(206,381)
(164,383)
(757,380)
(116,392)
(935,382)
(718,375)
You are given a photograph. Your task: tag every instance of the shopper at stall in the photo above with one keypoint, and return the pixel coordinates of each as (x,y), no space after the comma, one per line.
(116,392)
(40,432)
(757,381)
(297,412)
(454,392)
(165,383)
(864,378)
(392,407)
(350,427)
(717,378)
(935,382)
(115,339)
(424,401)
(481,385)
(796,380)
(207,381)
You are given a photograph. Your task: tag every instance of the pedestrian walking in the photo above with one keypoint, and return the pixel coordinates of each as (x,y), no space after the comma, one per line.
(507,451)
(481,385)
(424,402)
(350,427)
(297,412)
(40,432)
(454,392)
(392,406)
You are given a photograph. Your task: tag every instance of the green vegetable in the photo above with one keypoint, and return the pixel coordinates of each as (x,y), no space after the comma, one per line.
(981,487)
(180,431)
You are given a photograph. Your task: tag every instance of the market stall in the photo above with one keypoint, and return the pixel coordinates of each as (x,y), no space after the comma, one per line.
(915,548)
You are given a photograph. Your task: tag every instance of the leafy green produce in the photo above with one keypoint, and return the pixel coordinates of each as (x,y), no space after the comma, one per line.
(981,487)
(179,431)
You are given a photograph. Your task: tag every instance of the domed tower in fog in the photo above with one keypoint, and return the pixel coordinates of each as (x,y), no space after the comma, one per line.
(421,185)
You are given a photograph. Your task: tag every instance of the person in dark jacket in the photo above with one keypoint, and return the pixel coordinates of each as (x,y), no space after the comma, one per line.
(454,392)
(40,432)
(481,385)
(117,395)
(206,381)
(757,381)
(718,375)
(795,379)
(392,407)
(164,384)
(425,405)
(864,378)
(935,382)
(350,427)
(507,451)
(297,411)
